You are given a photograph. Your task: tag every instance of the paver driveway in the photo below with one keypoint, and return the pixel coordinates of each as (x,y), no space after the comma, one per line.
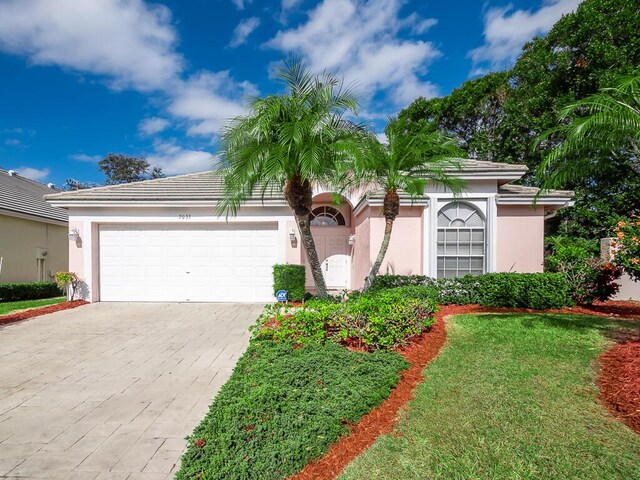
(110,390)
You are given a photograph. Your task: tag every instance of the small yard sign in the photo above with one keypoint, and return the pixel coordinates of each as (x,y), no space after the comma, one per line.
(281,295)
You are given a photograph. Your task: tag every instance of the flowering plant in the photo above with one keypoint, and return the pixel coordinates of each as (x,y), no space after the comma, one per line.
(626,246)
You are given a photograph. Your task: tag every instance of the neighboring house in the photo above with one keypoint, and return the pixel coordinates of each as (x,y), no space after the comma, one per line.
(33,234)
(161,240)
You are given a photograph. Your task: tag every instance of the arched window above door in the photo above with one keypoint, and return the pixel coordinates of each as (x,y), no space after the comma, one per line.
(327,216)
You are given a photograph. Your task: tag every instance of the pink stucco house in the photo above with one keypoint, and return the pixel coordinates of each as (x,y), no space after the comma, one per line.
(161,240)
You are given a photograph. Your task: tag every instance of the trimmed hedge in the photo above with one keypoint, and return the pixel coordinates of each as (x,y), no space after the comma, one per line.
(290,278)
(283,406)
(378,320)
(12,292)
(515,290)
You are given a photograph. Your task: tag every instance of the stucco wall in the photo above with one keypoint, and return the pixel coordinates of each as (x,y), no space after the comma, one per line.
(629,290)
(404,256)
(20,240)
(361,250)
(520,239)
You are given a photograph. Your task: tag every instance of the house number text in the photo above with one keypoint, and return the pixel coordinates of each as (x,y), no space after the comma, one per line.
(184,216)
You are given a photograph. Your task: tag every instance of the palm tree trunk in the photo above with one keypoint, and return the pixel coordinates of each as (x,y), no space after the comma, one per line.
(299,197)
(391,208)
(381,254)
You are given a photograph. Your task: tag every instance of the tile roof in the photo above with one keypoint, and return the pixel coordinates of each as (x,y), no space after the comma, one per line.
(523,191)
(205,186)
(21,195)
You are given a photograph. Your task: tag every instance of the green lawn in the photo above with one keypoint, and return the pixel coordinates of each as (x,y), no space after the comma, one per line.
(509,397)
(9,307)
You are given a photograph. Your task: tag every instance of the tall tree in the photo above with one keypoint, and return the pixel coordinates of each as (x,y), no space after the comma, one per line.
(592,132)
(287,142)
(120,168)
(406,164)
(581,53)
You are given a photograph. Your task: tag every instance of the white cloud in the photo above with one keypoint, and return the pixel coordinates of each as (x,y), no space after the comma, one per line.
(240,4)
(208,99)
(506,30)
(175,160)
(153,125)
(243,30)
(33,173)
(13,142)
(286,7)
(83,157)
(359,40)
(129,42)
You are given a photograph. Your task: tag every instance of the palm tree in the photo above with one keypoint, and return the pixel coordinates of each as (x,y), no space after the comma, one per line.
(406,164)
(287,142)
(595,129)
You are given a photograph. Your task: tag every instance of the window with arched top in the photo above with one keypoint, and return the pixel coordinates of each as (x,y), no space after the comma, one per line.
(327,216)
(461,240)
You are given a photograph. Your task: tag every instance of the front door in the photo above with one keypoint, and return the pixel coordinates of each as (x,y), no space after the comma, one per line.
(334,255)
(336,269)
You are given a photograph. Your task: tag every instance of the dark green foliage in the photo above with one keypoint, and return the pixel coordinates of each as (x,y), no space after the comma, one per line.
(516,290)
(290,278)
(589,277)
(11,292)
(376,320)
(499,116)
(284,406)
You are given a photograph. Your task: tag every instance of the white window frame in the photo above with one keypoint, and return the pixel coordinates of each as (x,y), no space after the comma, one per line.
(458,229)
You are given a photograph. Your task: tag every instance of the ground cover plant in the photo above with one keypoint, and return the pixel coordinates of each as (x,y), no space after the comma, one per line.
(284,405)
(509,396)
(9,307)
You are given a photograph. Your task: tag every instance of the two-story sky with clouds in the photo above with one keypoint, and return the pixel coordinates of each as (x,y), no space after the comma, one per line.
(82,78)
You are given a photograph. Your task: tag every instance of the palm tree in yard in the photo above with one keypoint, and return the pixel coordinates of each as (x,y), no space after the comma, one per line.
(288,142)
(406,164)
(594,130)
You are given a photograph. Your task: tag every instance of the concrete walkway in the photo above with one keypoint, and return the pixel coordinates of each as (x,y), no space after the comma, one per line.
(110,390)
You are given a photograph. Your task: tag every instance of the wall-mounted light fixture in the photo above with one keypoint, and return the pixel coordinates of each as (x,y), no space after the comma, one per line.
(74,235)
(352,239)
(292,238)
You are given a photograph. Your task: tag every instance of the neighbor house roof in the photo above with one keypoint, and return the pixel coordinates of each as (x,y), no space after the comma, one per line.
(22,197)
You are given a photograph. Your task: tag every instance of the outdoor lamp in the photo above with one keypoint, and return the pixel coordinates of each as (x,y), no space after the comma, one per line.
(74,235)
(292,235)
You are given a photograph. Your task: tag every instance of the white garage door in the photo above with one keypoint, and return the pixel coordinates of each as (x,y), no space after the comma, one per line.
(201,263)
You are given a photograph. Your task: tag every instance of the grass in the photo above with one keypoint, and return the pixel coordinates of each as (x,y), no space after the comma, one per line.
(510,396)
(9,307)
(283,406)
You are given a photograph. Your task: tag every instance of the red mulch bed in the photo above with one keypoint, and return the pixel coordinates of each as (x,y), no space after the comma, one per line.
(382,419)
(36,312)
(619,382)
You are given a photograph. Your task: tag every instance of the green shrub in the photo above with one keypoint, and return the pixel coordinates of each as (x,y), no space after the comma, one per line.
(11,292)
(589,277)
(283,407)
(378,320)
(290,278)
(383,320)
(517,290)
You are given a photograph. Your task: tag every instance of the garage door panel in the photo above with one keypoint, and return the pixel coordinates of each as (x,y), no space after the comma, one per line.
(198,263)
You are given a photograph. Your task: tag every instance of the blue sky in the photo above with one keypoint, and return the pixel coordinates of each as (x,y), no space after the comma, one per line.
(82,79)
